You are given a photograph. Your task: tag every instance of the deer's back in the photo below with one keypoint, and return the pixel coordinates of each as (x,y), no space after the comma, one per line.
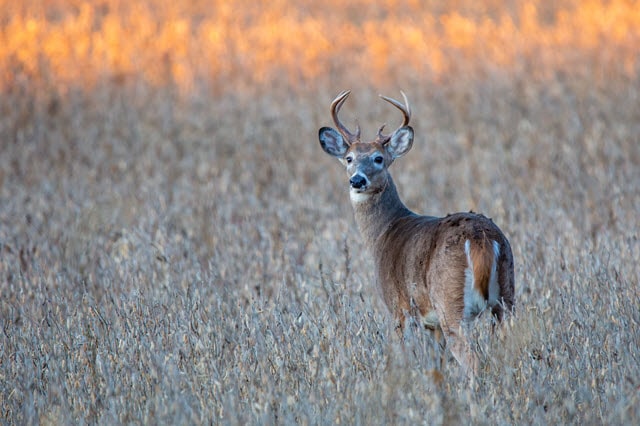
(421,261)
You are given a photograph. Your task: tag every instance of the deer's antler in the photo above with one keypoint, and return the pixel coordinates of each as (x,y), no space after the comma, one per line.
(406,112)
(335,109)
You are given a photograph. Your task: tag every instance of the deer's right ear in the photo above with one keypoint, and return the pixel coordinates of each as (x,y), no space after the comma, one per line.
(332,142)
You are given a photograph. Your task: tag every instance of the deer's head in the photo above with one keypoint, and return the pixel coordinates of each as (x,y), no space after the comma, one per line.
(366,162)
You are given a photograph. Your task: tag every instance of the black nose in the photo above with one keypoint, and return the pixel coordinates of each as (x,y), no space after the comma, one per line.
(357,181)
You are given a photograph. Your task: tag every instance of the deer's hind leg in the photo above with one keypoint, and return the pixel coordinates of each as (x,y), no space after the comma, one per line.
(462,352)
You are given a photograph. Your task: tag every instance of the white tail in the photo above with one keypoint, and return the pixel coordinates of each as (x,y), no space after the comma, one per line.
(446,269)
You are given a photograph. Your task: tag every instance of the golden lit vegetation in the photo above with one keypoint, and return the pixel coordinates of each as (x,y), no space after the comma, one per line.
(175,248)
(240,44)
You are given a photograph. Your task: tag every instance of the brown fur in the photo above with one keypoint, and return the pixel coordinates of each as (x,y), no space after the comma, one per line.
(420,261)
(482,257)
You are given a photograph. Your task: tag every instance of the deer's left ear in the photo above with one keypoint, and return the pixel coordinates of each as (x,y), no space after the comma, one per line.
(400,142)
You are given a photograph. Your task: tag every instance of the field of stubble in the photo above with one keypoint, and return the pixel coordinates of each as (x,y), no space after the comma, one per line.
(195,261)
(191,258)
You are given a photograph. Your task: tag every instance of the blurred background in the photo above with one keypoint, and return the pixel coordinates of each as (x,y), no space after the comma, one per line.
(248,47)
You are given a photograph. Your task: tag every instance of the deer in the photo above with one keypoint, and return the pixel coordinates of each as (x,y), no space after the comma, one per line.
(441,271)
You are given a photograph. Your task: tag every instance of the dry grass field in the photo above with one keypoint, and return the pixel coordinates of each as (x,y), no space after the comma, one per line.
(175,247)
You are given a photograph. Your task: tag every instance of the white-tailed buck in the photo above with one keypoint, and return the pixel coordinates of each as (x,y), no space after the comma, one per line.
(444,270)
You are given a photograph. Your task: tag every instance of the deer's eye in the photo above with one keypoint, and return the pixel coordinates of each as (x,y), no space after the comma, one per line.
(378,159)
(349,160)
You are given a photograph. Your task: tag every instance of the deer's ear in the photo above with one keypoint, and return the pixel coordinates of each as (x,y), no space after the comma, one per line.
(400,142)
(332,142)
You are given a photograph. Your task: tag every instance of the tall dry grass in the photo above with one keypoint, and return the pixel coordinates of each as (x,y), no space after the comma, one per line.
(179,250)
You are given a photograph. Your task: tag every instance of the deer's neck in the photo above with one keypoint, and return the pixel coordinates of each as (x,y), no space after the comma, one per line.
(374,213)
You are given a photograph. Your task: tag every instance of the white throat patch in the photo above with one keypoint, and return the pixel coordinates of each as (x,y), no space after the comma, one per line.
(358,197)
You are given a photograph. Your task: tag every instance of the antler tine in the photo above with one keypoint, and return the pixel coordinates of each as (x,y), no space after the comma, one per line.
(335,109)
(382,136)
(406,112)
(406,109)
